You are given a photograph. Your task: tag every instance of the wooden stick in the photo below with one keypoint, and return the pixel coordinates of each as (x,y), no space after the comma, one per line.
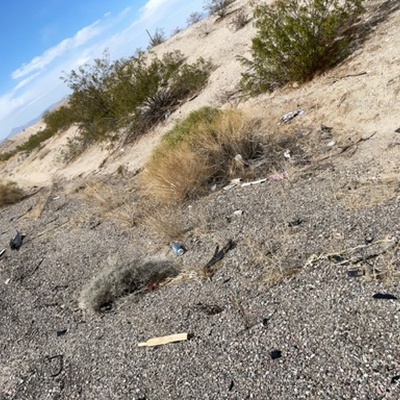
(164,340)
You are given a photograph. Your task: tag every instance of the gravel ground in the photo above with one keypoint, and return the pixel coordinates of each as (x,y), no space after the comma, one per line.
(315,334)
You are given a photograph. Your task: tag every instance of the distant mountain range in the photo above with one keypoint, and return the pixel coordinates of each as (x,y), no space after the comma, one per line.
(34,121)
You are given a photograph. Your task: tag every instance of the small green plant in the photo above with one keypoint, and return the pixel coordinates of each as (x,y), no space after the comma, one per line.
(10,193)
(35,140)
(59,119)
(7,155)
(218,7)
(297,39)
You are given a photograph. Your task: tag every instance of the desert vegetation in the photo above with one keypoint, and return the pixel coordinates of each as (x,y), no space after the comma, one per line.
(218,7)
(297,39)
(208,149)
(134,94)
(10,193)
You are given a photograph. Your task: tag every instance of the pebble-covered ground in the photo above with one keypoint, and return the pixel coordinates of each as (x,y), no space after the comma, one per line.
(288,313)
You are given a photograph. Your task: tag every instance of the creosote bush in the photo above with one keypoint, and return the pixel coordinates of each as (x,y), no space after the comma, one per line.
(10,193)
(134,93)
(200,152)
(297,39)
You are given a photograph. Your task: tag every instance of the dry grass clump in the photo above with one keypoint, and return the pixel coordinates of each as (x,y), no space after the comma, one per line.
(116,281)
(112,202)
(166,224)
(209,147)
(10,193)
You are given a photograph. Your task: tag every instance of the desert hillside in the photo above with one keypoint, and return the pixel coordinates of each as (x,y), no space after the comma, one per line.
(287,285)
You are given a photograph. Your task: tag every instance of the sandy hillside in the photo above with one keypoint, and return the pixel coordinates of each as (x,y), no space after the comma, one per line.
(357,98)
(303,302)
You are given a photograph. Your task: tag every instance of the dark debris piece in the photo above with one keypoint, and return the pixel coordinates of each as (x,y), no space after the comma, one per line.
(16,241)
(220,254)
(275,354)
(56,364)
(209,309)
(355,273)
(295,222)
(61,332)
(397,130)
(384,296)
(395,379)
(231,386)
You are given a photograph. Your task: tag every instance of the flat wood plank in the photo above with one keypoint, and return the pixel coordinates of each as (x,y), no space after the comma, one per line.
(164,340)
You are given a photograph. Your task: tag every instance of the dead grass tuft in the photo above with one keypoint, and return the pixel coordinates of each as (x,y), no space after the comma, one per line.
(214,147)
(10,193)
(116,281)
(113,202)
(165,224)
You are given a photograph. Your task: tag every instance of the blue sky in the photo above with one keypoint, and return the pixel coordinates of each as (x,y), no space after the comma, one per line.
(41,39)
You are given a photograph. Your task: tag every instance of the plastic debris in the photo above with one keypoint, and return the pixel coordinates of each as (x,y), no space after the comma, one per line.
(61,332)
(239,160)
(275,354)
(254,182)
(2,252)
(238,213)
(178,250)
(234,182)
(164,340)
(354,273)
(286,154)
(331,143)
(16,241)
(384,296)
(219,254)
(209,309)
(279,176)
(289,116)
(395,379)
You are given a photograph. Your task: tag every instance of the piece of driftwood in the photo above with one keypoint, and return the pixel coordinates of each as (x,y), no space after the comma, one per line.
(179,337)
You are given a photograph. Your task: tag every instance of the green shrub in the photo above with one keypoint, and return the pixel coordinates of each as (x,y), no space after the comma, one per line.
(36,140)
(7,155)
(218,7)
(59,119)
(296,39)
(134,93)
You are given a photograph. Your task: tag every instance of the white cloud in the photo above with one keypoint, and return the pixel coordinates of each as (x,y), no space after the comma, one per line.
(40,62)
